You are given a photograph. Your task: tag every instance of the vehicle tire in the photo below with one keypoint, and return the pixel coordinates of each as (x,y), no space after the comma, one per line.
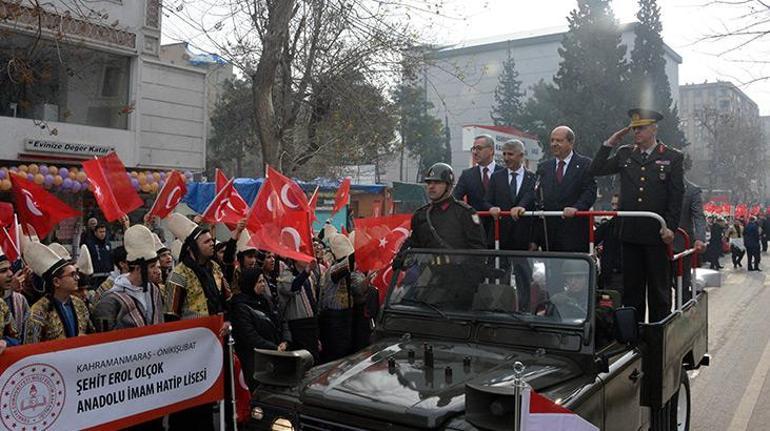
(675,414)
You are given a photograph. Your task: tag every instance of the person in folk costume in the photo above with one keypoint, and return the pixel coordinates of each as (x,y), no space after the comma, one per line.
(85,267)
(135,299)
(121,267)
(11,307)
(15,308)
(165,262)
(340,284)
(195,288)
(59,314)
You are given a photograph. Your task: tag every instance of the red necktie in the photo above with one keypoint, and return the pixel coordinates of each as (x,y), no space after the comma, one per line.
(560,172)
(485,177)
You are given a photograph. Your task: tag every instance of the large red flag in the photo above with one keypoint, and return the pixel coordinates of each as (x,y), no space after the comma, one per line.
(242,393)
(169,196)
(278,220)
(220,181)
(381,281)
(112,187)
(227,207)
(38,208)
(342,197)
(313,204)
(378,239)
(6,214)
(9,243)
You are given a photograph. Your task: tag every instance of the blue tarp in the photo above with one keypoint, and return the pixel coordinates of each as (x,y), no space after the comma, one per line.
(199,195)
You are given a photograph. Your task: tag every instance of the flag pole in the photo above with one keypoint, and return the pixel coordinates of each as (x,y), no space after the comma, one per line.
(518,386)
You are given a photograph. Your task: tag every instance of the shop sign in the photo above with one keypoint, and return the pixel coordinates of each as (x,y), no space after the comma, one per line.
(47,146)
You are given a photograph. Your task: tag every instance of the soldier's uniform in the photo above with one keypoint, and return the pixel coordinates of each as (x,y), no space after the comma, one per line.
(447,224)
(654,182)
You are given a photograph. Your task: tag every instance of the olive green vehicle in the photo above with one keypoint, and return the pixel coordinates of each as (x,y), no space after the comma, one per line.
(453,325)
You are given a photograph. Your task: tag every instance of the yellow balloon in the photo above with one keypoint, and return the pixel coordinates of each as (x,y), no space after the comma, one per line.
(33,168)
(57,180)
(145,187)
(134,174)
(72,175)
(154,187)
(5,185)
(23,168)
(81,176)
(156,175)
(39,179)
(142,179)
(53,170)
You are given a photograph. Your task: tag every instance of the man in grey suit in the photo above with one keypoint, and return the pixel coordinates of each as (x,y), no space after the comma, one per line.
(693,221)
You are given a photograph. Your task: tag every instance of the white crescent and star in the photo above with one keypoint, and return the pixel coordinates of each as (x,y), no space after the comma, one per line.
(294,234)
(171,201)
(285,197)
(219,213)
(31,205)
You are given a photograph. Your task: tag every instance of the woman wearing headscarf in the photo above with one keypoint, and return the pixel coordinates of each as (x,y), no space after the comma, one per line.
(256,323)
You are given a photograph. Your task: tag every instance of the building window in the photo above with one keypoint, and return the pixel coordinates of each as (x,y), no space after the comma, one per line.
(64,83)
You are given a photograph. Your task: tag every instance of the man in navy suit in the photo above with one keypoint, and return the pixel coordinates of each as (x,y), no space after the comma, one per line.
(512,189)
(565,185)
(473,182)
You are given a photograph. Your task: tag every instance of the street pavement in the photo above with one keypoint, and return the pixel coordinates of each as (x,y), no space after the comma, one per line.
(733,394)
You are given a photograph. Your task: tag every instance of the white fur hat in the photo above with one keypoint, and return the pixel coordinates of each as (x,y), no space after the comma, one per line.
(139,243)
(42,260)
(244,242)
(60,250)
(26,240)
(181,226)
(84,263)
(340,246)
(176,249)
(159,246)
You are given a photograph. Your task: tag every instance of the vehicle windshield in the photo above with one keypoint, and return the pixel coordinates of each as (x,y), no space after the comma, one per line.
(522,288)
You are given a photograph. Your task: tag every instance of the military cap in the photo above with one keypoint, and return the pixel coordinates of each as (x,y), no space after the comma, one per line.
(643,117)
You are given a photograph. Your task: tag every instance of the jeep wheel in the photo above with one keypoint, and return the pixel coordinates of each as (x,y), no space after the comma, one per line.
(675,415)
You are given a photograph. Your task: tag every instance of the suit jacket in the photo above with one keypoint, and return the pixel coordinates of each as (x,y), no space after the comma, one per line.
(470,186)
(653,184)
(577,190)
(513,235)
(692,220)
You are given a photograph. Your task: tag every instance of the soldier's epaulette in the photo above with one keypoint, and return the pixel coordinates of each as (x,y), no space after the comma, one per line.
(627,147)
(464,204)
(423,208)
(662,148)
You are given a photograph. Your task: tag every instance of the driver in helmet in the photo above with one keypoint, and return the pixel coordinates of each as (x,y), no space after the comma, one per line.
(445,222)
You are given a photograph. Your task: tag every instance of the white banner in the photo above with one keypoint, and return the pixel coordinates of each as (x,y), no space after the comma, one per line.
(92,385)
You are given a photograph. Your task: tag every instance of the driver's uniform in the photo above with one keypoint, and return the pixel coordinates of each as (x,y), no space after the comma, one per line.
(448,223)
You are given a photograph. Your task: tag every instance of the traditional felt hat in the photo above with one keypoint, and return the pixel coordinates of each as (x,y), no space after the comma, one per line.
(176,249)
(84,263)
(182,227)
(60,250)
(26,240)
(42,260)
(643,117)
(244,242)
(139,243)
(341,246)
(159,246)
(352,238)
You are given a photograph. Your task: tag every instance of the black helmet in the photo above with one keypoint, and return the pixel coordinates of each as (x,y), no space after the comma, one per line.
(441,172)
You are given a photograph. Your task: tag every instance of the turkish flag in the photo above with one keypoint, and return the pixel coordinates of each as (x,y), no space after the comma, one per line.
(9,243)
(540,413)
(741,211)
(6,214)
(279,221)
(382,279)
(313,204)
(227,207)
(342,197)
(112,187)
(220,181)
(36,207)
(242,393)
(169,196)
(378,239)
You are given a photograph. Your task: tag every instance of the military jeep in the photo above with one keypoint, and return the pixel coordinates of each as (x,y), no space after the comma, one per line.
(452,327)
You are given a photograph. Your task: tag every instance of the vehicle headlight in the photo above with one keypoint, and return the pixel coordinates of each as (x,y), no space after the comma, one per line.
(257,413)
(282,424)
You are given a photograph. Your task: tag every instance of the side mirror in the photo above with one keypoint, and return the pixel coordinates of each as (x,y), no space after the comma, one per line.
(626,323)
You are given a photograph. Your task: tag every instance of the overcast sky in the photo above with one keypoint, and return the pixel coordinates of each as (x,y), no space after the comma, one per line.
(685,23)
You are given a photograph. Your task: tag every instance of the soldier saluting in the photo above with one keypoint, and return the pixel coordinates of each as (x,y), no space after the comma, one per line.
(651,179)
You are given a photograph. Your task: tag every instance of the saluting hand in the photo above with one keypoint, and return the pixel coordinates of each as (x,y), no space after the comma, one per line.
(617,136)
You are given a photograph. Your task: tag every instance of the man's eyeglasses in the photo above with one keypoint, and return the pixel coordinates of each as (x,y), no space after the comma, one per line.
(479,147)
(73,274)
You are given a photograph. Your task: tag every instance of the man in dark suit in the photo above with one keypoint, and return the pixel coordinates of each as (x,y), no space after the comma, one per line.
(651,179)
(473,182)
(512,189)
(565,185)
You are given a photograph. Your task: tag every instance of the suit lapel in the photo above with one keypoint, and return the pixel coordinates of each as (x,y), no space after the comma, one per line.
(524,183)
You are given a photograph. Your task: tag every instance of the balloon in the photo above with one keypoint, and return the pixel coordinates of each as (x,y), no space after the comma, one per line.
(162,183)
(23,168)
(44,169)
(53,170)
(30,177)
(86,183)
(72,175)
(76,187)
(67,183)
(63,172)
(145,187)
(3,174)
(142,179)
(14,169)
(188,174)
(154,188)
(156,176)
(39,178)
(135,183)
(57,180)
(163,175)
(5,185)
(81,176)
(48,180)
(134,174)
(33,168)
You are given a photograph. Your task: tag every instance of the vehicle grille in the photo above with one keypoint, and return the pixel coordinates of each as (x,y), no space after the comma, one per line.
(308,423)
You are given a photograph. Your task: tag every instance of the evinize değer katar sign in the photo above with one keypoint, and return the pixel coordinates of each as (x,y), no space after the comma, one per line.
(112,380)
